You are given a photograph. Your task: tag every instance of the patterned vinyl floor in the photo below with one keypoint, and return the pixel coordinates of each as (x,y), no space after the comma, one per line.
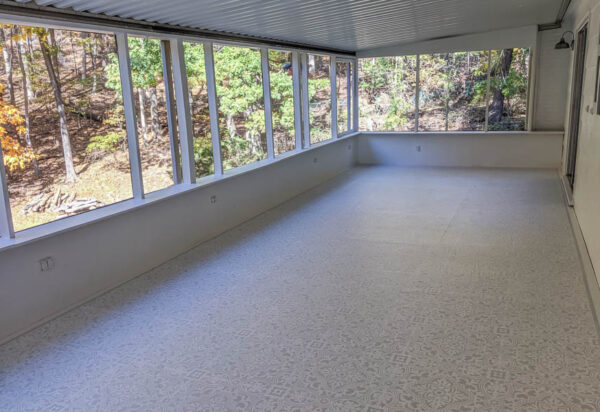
(384,290)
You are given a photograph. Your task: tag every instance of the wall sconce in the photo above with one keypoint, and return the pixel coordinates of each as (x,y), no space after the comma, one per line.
(563,44)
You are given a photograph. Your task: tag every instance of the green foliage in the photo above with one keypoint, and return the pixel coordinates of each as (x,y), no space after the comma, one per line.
(146,64)
(203,157)
(108,143)
(239,85)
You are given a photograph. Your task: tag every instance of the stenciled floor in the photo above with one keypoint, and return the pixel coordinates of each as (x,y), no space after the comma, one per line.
(385,289)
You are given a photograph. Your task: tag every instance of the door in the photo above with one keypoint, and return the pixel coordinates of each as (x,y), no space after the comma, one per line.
(576,103)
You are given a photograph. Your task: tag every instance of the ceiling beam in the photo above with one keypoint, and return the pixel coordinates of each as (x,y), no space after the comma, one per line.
(557,24)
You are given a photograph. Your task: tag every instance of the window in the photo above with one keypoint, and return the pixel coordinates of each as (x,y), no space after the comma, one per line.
(319,90)
(63,132)
(241,105)
(454,91)
(343,87)
(467,74)
(387,89)
(433,91)
(196,75)
(509,74)
(151,112)
(282,100)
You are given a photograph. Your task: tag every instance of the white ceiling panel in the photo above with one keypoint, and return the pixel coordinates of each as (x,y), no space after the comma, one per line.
(341,24)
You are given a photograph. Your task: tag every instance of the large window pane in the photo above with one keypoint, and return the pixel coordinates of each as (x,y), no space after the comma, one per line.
(241,105)
(342,74)
(319,89)
(151,111)
(62,126)
(196,75)
(387,87)
(433,91)
(282,100)
(467,75)
(508,89)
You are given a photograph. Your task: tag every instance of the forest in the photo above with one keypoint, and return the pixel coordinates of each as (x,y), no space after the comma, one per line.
(62,121)
(453,91)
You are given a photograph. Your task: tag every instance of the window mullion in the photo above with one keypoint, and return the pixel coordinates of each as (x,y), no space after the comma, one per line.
(184,120)
(349,95)
(165,50)
(487,90)
(417,92)
(6,224)
(333,80)
(297,100)
(264,59)
(212,107)
(130,117)
(305,100)
(355,111)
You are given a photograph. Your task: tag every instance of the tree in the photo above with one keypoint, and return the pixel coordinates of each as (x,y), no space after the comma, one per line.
(15,155)
(22,58)
(146,70)
(70,174)
(500,72)
(239,86)
(7,53)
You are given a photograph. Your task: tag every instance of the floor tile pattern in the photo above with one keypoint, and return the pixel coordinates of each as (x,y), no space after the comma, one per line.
(386,289)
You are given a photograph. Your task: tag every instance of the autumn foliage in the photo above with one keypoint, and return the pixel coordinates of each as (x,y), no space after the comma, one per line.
(16,156)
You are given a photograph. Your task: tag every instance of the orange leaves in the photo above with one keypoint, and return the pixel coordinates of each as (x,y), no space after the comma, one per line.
(16,156)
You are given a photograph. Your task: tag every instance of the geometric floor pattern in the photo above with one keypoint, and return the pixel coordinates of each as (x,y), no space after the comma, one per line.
(385,289)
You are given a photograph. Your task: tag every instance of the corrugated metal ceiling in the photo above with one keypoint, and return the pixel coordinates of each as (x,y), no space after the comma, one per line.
(341,24)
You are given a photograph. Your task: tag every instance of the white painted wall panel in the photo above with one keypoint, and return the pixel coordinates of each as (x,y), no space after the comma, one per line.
(586,192)
(518,150)
(552,73)
(97,257)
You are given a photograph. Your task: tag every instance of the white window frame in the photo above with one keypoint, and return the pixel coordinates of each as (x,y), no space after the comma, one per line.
(181,137)
(487,96)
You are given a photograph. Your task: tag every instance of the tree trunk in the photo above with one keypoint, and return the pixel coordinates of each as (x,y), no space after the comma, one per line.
(29,88)
(497,106)
(94,64)
(142,113)
(311,65)
(21,57)
(70,176)
(84,36)
(231,126)
(55,53)
(154,120)
(7,56)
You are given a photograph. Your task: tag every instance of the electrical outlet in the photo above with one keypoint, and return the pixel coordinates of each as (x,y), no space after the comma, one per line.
(46,264)
(418,148)
(213,199)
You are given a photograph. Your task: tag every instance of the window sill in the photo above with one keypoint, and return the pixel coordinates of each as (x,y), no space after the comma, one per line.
(73,222)
(466,132)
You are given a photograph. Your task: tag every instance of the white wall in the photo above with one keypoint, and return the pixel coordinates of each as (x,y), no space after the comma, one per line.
(492,149)
(552,71)
(586,192)
(97,257)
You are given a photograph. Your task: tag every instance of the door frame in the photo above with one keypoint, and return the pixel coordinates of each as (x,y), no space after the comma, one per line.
(576,101)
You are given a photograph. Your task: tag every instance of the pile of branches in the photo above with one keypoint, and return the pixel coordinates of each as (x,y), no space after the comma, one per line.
(63,203)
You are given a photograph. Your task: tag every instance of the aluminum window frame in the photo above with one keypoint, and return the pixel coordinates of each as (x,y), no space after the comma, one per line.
(529,102)
(184,174)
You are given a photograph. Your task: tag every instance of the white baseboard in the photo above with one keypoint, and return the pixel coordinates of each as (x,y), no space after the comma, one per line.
(590,279)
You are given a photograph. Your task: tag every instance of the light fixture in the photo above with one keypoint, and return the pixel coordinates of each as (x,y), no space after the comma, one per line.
(563,44)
